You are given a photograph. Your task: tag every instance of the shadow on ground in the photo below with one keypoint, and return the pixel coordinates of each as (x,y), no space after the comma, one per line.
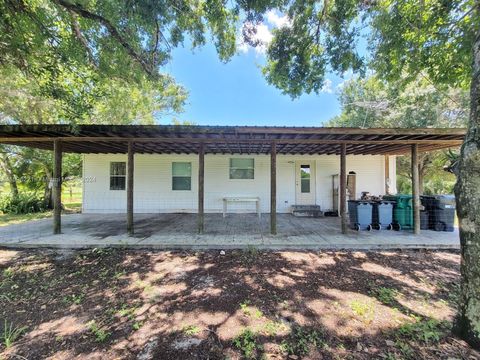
(107,303)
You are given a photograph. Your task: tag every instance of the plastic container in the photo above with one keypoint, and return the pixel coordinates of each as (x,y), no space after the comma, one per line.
(382,215)
(360,213)
(424,220)
(441,210)
(402,211)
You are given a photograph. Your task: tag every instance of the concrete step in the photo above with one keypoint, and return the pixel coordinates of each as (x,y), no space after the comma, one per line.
(306,211)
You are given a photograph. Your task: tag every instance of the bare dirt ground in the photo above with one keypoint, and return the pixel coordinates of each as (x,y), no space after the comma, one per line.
(120,304)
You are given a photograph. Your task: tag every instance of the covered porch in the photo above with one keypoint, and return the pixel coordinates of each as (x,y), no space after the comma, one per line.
(201,140)
(179,231)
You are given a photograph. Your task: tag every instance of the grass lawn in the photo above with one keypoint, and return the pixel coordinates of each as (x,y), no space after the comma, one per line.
(111,304)
(8,219)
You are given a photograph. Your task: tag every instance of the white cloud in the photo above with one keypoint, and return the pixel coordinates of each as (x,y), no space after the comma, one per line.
(346,76)
(241,46)
(327,87)
(261,35)
(277,20)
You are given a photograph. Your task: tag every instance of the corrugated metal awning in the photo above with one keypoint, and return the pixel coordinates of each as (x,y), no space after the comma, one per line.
(186,139)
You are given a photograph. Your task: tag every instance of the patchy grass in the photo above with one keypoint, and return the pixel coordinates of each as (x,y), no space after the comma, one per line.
(112,303)
(101,335)
(426,331)
(9,219)
(248,344)
(301,341)
(385,295)
(191,330)
(364,310)
(11,333)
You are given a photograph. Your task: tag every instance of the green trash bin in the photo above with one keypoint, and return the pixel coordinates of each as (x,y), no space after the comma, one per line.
(402,212)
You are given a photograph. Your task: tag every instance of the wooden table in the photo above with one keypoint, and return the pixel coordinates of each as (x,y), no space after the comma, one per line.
(226,200)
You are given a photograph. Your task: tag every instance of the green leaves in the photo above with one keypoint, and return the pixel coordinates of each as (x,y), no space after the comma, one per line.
(322,36)
(372,102)
(115,37)
(292,68)
(432,37)
(405,39)
(77,52)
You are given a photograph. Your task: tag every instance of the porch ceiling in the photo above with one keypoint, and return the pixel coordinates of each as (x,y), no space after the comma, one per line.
(180,139)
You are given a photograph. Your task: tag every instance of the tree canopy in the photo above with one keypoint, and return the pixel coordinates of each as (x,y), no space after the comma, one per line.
(373,102)
(405,39)
(113,38)
(78,52)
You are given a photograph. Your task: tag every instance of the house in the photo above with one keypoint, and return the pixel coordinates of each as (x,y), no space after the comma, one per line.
(169,182)
(158,168)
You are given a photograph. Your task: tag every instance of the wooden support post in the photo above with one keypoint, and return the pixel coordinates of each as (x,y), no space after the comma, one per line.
(57,186)
(130,167)
(343,187)
(387,174)
(415,190)
(273,188)
(201,188)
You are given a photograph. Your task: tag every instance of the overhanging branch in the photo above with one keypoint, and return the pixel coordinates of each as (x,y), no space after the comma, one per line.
(78,34)
(77,9)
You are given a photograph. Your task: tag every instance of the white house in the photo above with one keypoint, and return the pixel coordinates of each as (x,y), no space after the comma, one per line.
(169,182)
(159,168)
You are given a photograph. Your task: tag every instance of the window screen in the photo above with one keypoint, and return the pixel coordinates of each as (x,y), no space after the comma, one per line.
(118,171)
(242,168)
(305,178)
(181,176)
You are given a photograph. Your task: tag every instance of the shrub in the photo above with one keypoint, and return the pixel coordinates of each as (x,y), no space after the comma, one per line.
(22,204)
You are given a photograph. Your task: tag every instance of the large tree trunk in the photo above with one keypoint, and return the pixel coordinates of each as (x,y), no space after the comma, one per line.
(467,192)
(7,167)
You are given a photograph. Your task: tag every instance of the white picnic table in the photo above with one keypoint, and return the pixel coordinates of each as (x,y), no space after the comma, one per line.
(233,199)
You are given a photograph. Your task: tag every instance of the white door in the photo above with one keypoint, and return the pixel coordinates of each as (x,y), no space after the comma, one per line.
(305,182)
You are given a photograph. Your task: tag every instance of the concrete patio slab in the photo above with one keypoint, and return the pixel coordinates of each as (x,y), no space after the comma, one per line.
(178,231)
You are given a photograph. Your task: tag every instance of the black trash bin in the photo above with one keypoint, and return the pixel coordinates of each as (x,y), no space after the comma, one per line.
(382,215)
(428,203)
(441,211)
(360,213)
(443,216)
(424,222)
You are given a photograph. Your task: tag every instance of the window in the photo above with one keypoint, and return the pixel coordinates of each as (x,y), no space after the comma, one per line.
(118,171)
(305,178)
(242,168)
(181,176)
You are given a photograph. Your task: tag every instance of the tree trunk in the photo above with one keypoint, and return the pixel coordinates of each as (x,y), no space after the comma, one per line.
(48,191)
(421,172)
(8,168)
(467,191)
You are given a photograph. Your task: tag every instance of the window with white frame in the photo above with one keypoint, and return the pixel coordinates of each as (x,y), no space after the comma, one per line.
(118,175)
(242,168)
(181,176)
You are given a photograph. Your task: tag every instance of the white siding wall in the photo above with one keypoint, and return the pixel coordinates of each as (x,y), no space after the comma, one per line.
(393,174)
(153,182)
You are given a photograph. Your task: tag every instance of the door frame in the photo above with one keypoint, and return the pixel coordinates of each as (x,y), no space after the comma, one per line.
(313,182)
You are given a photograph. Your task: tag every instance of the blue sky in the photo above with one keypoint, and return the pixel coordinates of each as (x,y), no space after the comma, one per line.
(236,93)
